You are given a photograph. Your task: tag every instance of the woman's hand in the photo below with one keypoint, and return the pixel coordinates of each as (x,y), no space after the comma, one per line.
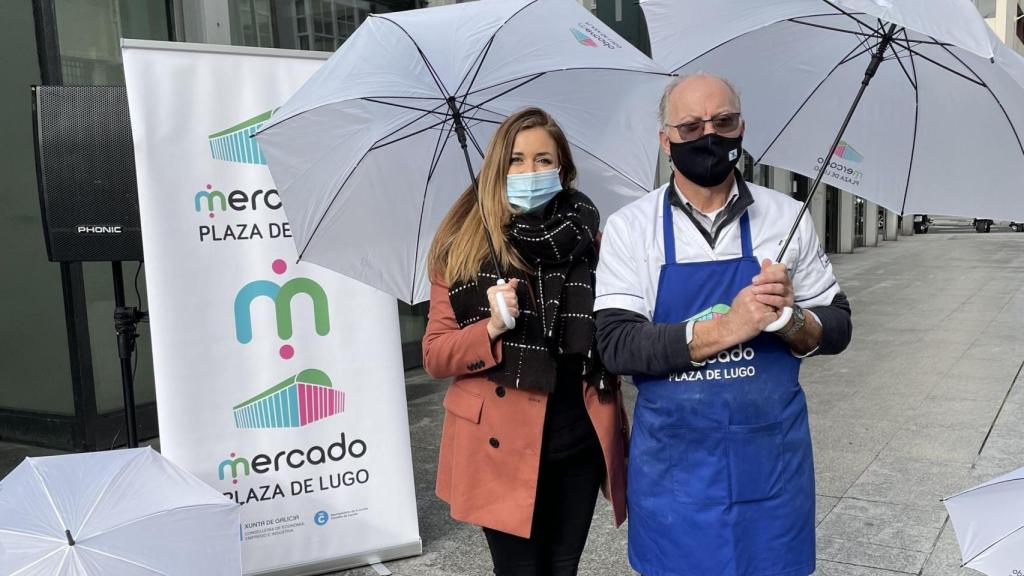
(496,325)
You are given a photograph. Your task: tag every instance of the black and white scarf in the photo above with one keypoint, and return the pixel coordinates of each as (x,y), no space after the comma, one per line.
(556,320)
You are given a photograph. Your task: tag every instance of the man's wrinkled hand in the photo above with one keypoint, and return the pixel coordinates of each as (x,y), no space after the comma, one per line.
(773,287)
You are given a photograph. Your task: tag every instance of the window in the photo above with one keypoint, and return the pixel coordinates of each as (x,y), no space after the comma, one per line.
(89,33)
(252,23)
(304,24)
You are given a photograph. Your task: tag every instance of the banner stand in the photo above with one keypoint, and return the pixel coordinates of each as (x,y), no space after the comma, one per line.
(278,382)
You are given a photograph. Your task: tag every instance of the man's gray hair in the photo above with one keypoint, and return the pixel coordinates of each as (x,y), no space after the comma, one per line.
(663,106)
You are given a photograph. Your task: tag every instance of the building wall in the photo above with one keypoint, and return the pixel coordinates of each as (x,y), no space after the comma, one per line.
(1004,21)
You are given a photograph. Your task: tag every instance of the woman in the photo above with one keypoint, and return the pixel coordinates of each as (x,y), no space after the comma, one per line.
(533,424)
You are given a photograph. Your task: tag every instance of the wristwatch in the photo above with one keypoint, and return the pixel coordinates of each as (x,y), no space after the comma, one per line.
(795,324)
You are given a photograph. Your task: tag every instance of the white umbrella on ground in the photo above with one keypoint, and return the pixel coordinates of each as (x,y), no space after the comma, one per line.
(367,153)
(989,524)
(124,512)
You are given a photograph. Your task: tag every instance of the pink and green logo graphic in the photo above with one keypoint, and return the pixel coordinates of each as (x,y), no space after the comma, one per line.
(583,38)
(716,311)
(236,144)
(282,296)
(846,152)
(298,400)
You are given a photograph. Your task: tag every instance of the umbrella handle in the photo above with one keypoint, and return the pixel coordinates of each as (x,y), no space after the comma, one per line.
(779,324)
(506,317)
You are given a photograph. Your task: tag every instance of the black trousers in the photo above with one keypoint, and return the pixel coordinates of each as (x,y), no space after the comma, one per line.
(567,490)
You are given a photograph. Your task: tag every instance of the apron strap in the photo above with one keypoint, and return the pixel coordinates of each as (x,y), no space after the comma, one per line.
(748,246)
(670,235)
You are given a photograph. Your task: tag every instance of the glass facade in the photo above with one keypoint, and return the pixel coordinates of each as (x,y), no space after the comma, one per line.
(321,25)
(89,33)
(35,371)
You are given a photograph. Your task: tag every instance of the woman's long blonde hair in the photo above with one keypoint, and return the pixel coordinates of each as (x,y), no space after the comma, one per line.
(460,245)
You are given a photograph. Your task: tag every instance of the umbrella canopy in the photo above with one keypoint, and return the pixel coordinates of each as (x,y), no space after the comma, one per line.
(989,524)
(365,154)
(125,512)
(939,129)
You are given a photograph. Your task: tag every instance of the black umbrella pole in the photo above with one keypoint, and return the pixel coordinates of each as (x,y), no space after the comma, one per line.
(876,61)
(476,191)
(460,133)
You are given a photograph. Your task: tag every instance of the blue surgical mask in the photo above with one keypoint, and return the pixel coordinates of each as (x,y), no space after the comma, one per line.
(532,190)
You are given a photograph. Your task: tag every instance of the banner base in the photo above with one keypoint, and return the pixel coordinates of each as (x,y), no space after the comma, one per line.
(366,558)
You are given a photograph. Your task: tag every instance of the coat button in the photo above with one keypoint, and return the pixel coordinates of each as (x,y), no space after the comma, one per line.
(494,443)
(500,391)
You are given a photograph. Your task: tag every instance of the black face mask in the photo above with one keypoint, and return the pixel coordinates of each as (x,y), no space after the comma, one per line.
(708,160)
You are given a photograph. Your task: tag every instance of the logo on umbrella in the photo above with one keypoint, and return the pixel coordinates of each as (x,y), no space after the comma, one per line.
(582,38)
(298,400)
(235,144)
(846,152)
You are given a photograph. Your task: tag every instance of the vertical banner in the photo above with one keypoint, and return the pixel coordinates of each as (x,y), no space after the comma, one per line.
(279,383)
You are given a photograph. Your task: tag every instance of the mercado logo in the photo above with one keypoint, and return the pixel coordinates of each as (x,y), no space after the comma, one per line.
(589,34)
(211,200)
(236,466)
(842,165)
(582,38)
(282,296)
(846,152)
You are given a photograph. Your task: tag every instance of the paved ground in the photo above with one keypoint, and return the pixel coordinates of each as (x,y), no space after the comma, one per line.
(922,405)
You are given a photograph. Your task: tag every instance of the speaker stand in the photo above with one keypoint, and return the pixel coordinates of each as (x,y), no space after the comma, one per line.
(126,320)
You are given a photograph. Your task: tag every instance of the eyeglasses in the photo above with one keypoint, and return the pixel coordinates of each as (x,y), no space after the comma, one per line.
(725,124)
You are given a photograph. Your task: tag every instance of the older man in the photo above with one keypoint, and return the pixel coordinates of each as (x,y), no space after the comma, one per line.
(721,479)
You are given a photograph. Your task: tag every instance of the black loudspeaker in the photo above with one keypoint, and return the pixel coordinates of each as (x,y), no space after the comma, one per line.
(85,163)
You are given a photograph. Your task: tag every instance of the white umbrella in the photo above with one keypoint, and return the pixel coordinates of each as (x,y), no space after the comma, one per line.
(366,153)
(989,524)
(939,130)
(125,512)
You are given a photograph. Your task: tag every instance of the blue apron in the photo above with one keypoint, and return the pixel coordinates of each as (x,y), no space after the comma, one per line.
(721,479)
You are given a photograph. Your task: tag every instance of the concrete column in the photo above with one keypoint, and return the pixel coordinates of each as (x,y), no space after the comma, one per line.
(1005,21)
(908,225)
(891,229)
(871,224)
(817,210)
(664,169)
(207,21)
(847,215)
(782,180)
